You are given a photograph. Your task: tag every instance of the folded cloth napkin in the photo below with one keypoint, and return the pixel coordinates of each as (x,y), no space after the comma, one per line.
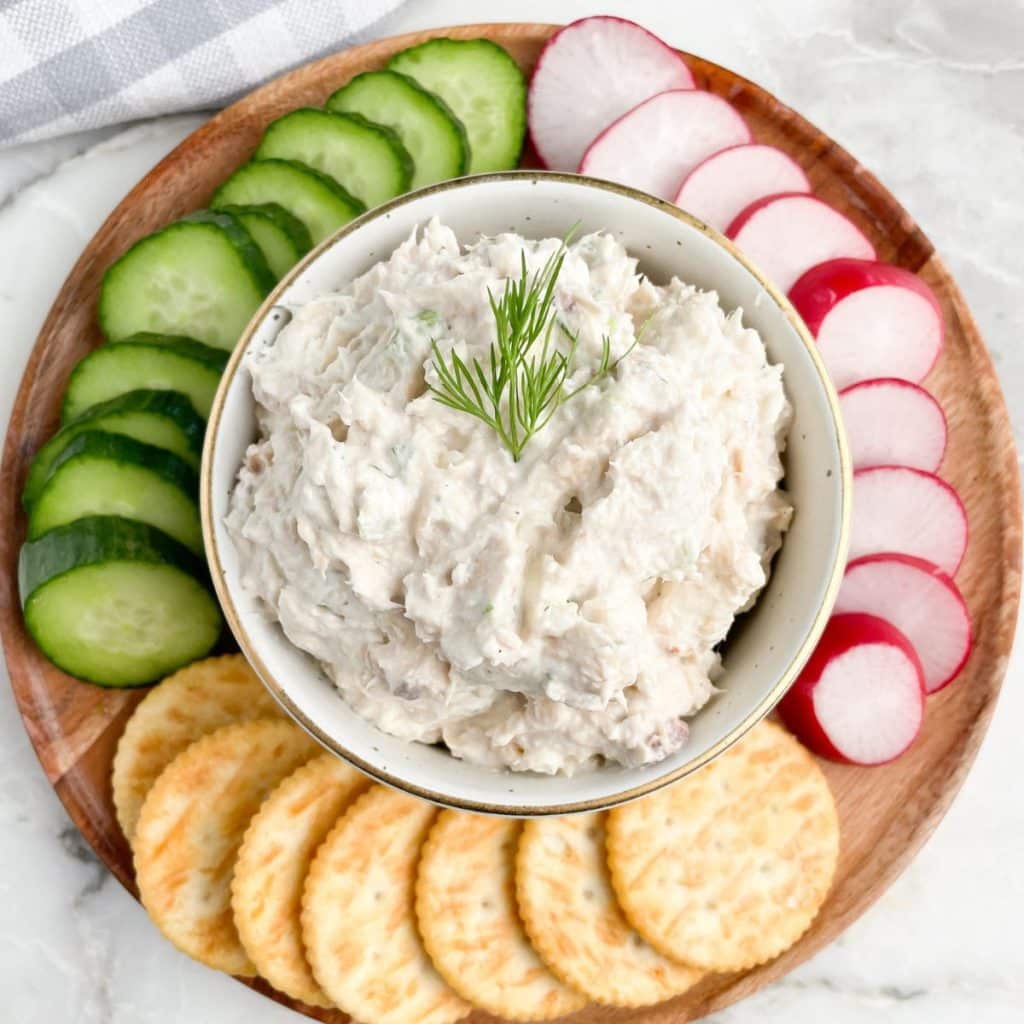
(69,65)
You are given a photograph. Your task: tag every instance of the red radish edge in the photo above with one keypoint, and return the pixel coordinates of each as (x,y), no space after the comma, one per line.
(934,573)
(823,286)
(545,55)
(928,458)
(594,150)
(709,165)
(861,671)
(885,337)
(759,204)
(778,258)
(949,561)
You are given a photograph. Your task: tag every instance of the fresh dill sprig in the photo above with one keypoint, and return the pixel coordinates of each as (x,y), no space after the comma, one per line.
(523,383)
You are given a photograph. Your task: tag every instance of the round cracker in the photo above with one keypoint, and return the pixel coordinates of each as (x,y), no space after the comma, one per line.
(467,915)
(573,919)
(192,824)
(187,705)
(357,915)
(727,868)
(270,872)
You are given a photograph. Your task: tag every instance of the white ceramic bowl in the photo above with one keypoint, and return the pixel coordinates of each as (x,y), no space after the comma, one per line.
(767,648)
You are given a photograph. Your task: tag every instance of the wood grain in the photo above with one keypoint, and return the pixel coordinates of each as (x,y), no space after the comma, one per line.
(887,813)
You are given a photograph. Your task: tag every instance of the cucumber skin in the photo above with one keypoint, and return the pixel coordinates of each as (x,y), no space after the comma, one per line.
(287,222)
(356,207)
(460,128)
(214,358)
(172,404)
(92,445)
(389,136)
(120,448)
(241,240)
(445,43)
(392,137)
(97,539)
(208,357)
(262,280)
(155,337)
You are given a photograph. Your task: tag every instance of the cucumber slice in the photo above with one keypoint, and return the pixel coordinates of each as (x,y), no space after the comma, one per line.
(282,237)
(429,130)
(166,339)
(278,250)
(101,474)
(241,239)
(314,198)
(164,419)
(484,88)
(366,159)
(201,278)
(287,222)
(151,361)
(116,602)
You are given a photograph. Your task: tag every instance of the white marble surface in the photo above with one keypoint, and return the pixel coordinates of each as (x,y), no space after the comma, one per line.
(930,95)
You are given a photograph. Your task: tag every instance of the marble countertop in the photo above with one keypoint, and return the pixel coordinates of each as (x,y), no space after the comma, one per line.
(929,94)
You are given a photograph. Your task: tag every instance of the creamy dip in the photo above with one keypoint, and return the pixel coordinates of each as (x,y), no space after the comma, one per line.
(549,614)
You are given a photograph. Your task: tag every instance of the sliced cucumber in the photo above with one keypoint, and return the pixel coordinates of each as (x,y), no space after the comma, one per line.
(241,238)
(101,474)
(281,255)
(317,200)
(161,418)
(201,278)
(282,237)
(166,339)
(116,602)
(366,159)
(153,362)
(287,222)
(484,88)
(429,130)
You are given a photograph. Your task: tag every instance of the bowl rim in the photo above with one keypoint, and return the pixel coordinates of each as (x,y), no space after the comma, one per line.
(760,710)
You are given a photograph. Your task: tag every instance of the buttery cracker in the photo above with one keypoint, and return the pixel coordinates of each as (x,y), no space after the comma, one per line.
(271,869)
(192,824)
(574,921)
(195,701)
(728,868)
(467,914)
(358,921)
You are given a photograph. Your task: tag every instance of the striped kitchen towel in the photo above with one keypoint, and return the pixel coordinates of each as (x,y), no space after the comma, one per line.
(69,65)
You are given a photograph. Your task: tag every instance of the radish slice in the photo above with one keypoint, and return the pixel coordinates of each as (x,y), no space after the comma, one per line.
(893,423)
(587,76)
(787,234)
(921,601)
(723,186)
(860,698)
(656,144)
(871,320)
(909,512)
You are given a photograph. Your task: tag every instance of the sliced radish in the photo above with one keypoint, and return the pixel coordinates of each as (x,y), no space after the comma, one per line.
(726,183)
(892,422)
(787,234)
(860,697)
(587,76)
(871,320)
(908,512)
(657,143)
(921,601)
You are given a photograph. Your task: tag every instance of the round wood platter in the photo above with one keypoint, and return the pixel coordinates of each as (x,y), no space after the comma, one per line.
(886,813)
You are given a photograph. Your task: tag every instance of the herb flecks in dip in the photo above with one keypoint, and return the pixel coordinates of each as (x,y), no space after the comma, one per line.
(545,614)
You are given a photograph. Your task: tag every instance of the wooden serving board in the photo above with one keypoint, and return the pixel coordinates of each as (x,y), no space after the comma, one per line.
(886,813)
